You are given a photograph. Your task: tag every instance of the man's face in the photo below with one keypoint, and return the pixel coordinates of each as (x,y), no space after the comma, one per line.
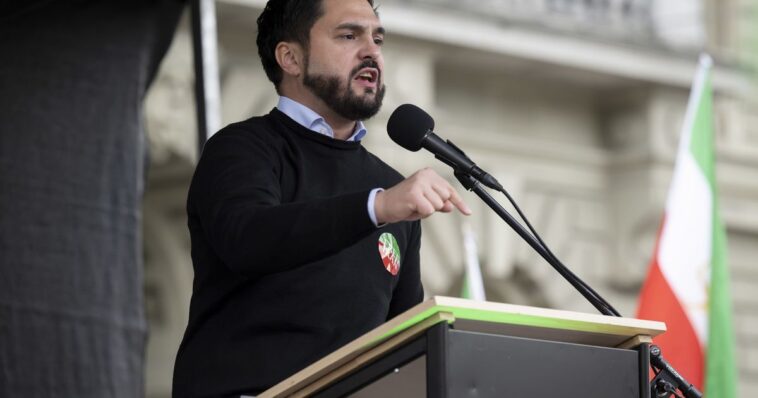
(344,64)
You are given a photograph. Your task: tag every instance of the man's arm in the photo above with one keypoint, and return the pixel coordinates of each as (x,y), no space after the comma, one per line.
(237,198)
(236,195)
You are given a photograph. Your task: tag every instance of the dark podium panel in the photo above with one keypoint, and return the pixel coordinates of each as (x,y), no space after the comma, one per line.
(453,348)
(483,365)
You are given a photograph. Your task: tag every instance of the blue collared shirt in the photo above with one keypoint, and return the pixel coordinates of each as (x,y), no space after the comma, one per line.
(311,120)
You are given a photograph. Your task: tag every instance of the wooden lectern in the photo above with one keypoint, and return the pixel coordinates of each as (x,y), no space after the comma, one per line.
(453,348)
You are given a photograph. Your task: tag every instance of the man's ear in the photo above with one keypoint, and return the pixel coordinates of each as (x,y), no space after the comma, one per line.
(289,56)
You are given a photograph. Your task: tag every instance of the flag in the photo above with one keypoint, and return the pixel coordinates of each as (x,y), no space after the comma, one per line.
(688,282)
(473,286)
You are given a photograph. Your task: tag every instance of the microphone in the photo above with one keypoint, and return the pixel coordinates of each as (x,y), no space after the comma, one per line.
(412,128)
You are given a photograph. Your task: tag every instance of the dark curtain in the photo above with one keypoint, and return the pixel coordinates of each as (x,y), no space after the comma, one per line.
(73,75)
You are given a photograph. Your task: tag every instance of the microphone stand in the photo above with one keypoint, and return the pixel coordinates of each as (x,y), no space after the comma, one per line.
(471,184)
(667,380)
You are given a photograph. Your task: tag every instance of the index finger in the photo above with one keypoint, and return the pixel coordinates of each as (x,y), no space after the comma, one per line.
(456,200)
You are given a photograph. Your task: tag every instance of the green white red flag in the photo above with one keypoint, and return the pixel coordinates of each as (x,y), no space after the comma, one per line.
(688,282)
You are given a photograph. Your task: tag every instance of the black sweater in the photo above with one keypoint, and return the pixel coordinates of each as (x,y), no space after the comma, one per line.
(286,258)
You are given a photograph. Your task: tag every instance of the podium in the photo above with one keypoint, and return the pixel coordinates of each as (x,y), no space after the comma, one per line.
(451,348)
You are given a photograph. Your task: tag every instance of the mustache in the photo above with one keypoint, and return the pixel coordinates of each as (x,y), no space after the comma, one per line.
(368,63)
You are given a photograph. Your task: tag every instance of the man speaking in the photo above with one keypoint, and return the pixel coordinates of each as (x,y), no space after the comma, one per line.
(301,239)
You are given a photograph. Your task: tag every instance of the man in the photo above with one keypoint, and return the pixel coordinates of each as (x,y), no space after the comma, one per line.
(296,248)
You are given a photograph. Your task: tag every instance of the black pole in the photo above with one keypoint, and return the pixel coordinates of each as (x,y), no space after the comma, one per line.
(197,51)
(471,184)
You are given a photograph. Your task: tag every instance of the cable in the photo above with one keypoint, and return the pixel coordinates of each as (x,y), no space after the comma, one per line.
(558,262)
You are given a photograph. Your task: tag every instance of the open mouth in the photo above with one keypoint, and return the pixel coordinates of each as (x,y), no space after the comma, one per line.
(367,75)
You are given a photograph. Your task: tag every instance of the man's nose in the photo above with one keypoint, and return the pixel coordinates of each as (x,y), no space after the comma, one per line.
(370,49)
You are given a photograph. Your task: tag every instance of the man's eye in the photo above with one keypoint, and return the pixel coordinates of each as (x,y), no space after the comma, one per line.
(379,41)
(349,36)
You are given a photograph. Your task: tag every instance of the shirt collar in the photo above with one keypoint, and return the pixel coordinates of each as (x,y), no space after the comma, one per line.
(311,120)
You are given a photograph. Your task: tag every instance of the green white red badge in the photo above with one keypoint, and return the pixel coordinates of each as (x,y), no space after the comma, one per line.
(390,253)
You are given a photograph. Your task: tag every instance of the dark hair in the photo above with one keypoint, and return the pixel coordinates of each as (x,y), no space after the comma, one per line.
(286,20)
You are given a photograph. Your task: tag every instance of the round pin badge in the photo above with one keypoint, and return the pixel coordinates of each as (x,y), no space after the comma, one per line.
(390,253)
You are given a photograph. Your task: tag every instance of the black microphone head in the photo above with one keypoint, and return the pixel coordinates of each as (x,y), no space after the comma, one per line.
(408,126)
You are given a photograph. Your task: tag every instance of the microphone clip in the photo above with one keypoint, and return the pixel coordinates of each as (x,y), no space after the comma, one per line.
(450,163)
(474,175)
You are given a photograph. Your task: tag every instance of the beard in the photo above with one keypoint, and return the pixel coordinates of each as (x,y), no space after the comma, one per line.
(340,98)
